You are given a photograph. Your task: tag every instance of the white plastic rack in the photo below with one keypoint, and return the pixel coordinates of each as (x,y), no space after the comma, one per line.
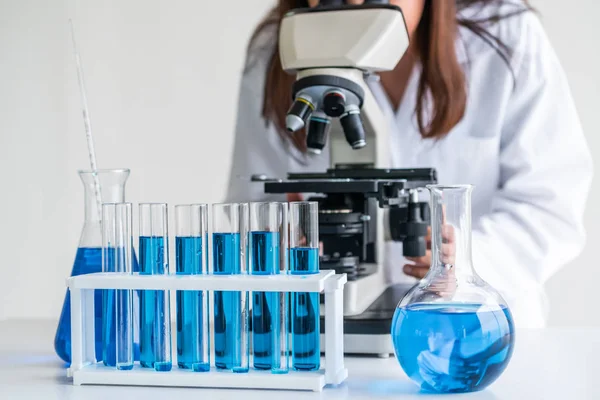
(85,370)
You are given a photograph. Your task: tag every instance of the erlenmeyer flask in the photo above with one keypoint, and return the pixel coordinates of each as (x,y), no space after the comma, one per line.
(452,332)
(88,258)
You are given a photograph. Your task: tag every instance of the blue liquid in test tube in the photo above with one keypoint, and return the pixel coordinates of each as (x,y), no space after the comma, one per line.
(226,261)
(230,242)
(264,249)
(306,352)
(192,308)
(304,260)
(267,255)
(155,311)
(155,341)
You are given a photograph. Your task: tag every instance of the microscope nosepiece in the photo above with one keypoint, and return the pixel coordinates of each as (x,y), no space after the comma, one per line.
(299,113)
(353,128)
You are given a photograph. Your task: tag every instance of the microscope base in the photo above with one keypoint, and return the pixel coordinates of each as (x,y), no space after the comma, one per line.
(369,332)
(374,345)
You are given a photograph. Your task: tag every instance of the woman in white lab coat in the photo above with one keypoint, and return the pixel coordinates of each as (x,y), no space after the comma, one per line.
(481,97)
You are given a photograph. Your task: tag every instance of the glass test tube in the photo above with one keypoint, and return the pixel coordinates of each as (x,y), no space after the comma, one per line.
(267,256)
(191,245)
(155,342)
(304,259)
(117,251)
(230,226)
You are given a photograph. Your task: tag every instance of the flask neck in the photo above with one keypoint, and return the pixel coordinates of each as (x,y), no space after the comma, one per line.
(451,231)
(112,190)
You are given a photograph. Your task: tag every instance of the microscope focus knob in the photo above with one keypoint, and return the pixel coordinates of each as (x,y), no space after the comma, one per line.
(334,104)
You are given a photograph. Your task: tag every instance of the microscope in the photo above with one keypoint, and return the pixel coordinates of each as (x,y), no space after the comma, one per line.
(334,49)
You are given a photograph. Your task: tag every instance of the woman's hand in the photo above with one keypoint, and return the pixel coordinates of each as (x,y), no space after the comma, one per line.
(314,3)
(290,197)
(421,265)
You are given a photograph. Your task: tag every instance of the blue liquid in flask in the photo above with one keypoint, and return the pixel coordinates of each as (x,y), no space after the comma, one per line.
(88,260)
(306,352)
(190,307)
(226,261)
(153,305)
(265,305)
(453,348)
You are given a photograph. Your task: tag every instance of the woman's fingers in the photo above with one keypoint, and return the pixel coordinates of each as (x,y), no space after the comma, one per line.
(448,249)
(420,267)
(417,270)
(295,196)
(313,3)
(425,260)
(448,235)
(448,253)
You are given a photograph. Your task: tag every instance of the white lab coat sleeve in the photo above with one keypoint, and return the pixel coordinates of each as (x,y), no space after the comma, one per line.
(258,148)
(535,226)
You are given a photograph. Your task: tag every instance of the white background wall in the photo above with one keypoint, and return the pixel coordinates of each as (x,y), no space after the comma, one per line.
(162,79)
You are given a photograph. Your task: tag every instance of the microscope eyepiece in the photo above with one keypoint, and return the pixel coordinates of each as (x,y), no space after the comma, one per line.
(299,113)
(334,103)
(318,129)
(353,128)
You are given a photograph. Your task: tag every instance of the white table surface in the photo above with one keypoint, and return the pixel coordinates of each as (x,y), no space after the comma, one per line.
(547,364)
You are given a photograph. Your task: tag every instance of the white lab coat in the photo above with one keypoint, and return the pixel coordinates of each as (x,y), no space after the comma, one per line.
(520,143)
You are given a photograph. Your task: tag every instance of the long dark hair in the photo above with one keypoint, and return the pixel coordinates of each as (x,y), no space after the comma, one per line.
(442,86)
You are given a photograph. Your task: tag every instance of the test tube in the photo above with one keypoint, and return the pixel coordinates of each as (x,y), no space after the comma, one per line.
(230,227)
(155,341)
(117,250)
(304,259)
(191,245)
(267,256)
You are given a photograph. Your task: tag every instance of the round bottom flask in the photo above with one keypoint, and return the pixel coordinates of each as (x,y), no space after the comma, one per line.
(452,332)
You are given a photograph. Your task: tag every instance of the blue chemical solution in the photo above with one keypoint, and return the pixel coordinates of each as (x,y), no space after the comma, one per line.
(453,348)
(226,261)
(264,247)
(306,352)
(87,260)
(190,307)
(154,307)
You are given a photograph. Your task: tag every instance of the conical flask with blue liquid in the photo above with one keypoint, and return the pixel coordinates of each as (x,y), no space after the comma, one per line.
(452,332)
(88,258)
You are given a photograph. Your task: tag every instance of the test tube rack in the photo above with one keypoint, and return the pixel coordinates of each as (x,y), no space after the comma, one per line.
(85,370)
